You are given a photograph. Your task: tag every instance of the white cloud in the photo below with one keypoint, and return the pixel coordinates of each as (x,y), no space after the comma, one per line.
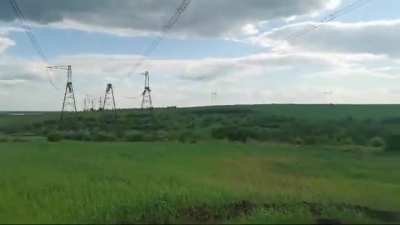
(331,5)
(250,29)
(377,37)
(5,43)
(13,69)
(11,82)
(261,78)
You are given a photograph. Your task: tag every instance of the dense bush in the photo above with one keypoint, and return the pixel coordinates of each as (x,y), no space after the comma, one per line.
(4,139)
(104,137)
(134,136)
(80,135)
(187,137)
(310,140)
(377,142)
(219,133)
(55,137)
(346,141)
(10,129)
(299,141)
(240,134)
(162,135)
(233,133)
(393,142)
(230,123)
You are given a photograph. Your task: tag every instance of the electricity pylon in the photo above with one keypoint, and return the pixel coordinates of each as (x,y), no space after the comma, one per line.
(214,97)
(147,103)
(92,103)
(69,95)
(100,104)
(109,100)
(86,104)
(328,95)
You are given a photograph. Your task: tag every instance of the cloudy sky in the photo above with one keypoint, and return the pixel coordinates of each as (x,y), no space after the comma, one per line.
(249,52)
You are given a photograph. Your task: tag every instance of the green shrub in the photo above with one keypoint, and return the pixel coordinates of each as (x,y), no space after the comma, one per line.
(393,142)
(298,141)
(10,129)
(55,137)
(347,141)
(80,135)
(219,133)
(4,139)
(19,140)
(187,137)
(234,133)
(84,135)
(134,136)
(104,137)
(162,135)
(377,142)
(238,134)
(310,140)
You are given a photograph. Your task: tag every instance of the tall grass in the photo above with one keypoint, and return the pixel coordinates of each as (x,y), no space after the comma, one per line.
(72,182)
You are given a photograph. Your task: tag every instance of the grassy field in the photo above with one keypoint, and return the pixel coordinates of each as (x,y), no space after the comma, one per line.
(207,182)
(226,164)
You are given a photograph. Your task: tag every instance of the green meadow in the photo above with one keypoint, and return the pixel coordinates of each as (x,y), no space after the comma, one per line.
(73,182)
(239,164)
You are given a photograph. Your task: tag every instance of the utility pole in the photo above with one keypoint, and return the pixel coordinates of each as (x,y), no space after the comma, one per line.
(100,104)
(88,103)
(109,99)
(147,102)
(85,104)
(92,99)
(328,95)
(69,95)
(214,97)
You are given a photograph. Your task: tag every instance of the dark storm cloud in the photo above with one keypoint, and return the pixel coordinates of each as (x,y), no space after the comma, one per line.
(204,17)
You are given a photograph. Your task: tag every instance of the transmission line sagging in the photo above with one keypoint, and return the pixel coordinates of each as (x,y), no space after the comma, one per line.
(31,37)
(331,17)
(165,29)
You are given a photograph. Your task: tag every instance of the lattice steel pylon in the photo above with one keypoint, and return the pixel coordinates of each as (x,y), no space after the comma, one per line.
(109,99)
(86,104)
(69,100)
(92,103)
(100,104)
(214,97)
(147,102)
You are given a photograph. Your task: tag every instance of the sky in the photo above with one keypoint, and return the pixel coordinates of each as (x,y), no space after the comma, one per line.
(248,52)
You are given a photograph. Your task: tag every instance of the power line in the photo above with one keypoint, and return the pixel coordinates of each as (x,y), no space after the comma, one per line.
(329,18)
(165,29)
(31,37)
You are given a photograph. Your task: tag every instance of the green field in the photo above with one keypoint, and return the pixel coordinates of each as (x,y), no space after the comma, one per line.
(191,175)
(167,182)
